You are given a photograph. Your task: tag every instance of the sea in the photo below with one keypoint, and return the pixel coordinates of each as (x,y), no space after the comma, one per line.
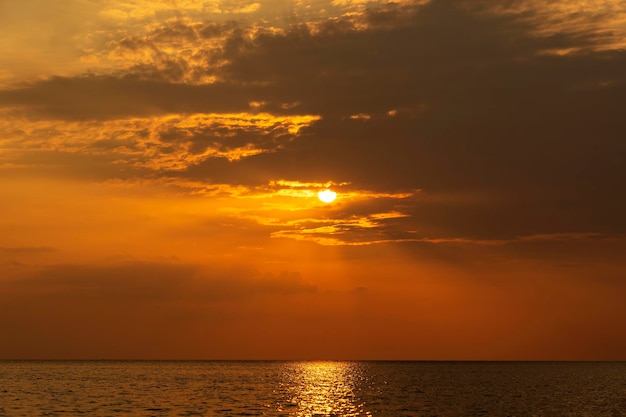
(311,388)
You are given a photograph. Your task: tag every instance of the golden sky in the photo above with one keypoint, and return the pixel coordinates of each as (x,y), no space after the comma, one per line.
(160,163)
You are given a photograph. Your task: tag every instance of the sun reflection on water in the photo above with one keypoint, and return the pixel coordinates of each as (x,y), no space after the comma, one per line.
(323,389)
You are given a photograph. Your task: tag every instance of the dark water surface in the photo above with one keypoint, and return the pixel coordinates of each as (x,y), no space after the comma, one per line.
(241,388)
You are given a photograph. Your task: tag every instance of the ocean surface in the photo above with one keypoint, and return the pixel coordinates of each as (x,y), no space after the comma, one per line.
(268,388)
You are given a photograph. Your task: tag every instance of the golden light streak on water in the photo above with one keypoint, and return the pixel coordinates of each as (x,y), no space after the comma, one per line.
(325,389)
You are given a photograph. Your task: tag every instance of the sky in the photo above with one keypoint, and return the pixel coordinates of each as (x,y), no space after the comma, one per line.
(160,163)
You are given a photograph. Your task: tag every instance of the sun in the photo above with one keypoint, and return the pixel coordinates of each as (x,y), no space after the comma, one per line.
(327,196)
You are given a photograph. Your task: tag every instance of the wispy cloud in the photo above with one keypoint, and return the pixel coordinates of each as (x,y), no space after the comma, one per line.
(26,250)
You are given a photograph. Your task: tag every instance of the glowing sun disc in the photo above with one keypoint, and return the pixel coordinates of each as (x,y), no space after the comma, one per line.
(327,196)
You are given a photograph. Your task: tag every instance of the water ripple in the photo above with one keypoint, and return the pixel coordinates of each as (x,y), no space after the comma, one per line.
(308,389)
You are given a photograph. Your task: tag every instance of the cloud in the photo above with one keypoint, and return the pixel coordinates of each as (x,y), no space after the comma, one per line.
(110,97)
(140,282)
(26,250)
(140,309)
(452,98)
(603,17)
(168,143)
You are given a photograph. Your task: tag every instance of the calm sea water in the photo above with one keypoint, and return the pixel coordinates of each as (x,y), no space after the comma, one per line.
(240,388)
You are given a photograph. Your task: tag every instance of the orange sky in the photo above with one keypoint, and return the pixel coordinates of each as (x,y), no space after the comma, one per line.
(160,163)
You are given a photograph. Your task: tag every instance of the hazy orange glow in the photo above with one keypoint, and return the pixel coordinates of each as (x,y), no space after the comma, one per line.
(330,180)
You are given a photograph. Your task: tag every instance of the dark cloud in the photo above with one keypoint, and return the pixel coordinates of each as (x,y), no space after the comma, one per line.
(156,282)
(337,68)
(407,56)
(461,99)
(106,97)
(480,108)
(142,309)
